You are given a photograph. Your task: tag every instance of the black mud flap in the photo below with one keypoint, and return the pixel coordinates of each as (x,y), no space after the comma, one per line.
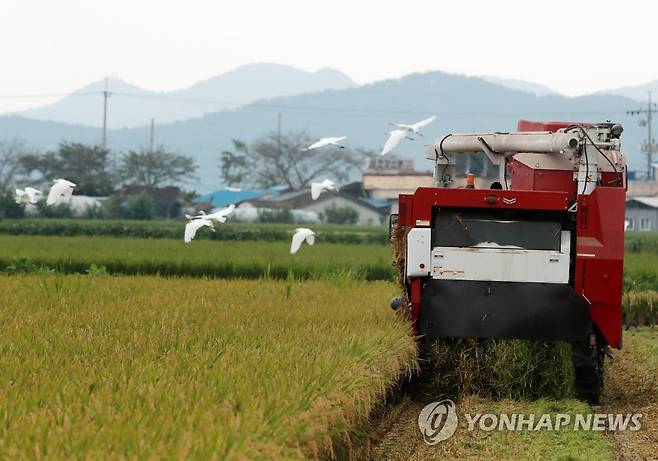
(476,309)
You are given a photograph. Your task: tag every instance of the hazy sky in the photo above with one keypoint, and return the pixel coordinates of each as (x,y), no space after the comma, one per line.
(56,46)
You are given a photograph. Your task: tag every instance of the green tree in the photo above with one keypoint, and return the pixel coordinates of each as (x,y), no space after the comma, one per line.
(86,166)
(61,210)
(155,169)
(9,208)
(12,153)
(341,215)
(273,160)
(140,206)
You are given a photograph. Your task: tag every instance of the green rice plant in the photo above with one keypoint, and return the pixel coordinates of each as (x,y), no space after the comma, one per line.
(641,242)
(226,259)
(174,230)
(146,367)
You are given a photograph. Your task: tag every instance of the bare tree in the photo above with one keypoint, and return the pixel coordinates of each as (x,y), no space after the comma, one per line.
(273,160)
(12,153)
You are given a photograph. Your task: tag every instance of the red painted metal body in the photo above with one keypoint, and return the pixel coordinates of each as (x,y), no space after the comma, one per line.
(598,256)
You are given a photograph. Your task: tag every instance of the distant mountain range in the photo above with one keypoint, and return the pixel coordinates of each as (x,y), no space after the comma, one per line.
(361,113)
(131,106)
(522,85)
(638,92)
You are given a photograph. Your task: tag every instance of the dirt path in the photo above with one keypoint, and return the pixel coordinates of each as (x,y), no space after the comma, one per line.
(631,387)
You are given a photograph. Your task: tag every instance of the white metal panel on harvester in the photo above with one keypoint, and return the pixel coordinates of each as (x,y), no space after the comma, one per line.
(419,249)
(502,264)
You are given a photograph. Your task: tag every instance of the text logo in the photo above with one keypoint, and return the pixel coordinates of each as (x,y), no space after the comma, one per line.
(438,421)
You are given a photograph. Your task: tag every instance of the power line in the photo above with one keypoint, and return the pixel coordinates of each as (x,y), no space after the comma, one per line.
(152,137)
(106,94)
(649,143)
(352,111)
(357,110)
(48,95)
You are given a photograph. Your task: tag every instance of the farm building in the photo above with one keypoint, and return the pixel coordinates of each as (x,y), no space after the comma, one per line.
(642,189)
(367,213)
(642,214)
(168,201)
(387,178)
(227,195)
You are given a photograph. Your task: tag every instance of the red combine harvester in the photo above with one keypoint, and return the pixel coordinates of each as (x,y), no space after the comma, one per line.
(538,255)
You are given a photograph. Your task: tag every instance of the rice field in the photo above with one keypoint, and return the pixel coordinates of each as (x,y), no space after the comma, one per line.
(243,259)
(289,365)
(147,367)
(227,259)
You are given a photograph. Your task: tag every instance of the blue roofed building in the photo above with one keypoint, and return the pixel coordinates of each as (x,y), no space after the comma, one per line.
(228,195)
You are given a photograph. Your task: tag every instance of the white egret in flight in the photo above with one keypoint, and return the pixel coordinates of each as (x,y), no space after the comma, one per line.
(414,128)
(60,192)
(318,187)
(194,225)
(301,234)
(219,215)
(394,138)
(29,195)
(327,142)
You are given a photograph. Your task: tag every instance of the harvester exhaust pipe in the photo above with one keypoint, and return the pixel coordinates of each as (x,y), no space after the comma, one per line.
(531,142)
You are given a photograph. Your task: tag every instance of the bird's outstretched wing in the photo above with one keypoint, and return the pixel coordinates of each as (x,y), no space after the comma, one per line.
(193,226)
(337,139)
(60,192)
(228,210)
(423,123)
(316,190)
(321,143)
(402,126)
(297,240)
(394,137)
(54,194)
(220,215)
(33,194)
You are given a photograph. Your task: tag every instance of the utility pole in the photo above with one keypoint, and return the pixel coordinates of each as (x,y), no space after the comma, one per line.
(106,94)
(649,144)
(152,142)
(278,138)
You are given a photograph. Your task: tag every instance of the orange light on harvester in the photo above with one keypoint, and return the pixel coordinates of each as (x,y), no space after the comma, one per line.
(470,181)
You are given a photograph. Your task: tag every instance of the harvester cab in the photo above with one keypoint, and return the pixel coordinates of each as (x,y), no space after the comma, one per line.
(536,255)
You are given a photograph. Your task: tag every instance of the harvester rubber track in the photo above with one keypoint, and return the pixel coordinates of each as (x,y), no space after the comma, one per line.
(588,368)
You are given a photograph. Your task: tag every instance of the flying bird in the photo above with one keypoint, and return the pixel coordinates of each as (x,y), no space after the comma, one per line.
(194,225)
(318,187)
(301,234)
(219,216)
(394,138)
(60,192)
(414,128)
(327,142)
(29,195)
